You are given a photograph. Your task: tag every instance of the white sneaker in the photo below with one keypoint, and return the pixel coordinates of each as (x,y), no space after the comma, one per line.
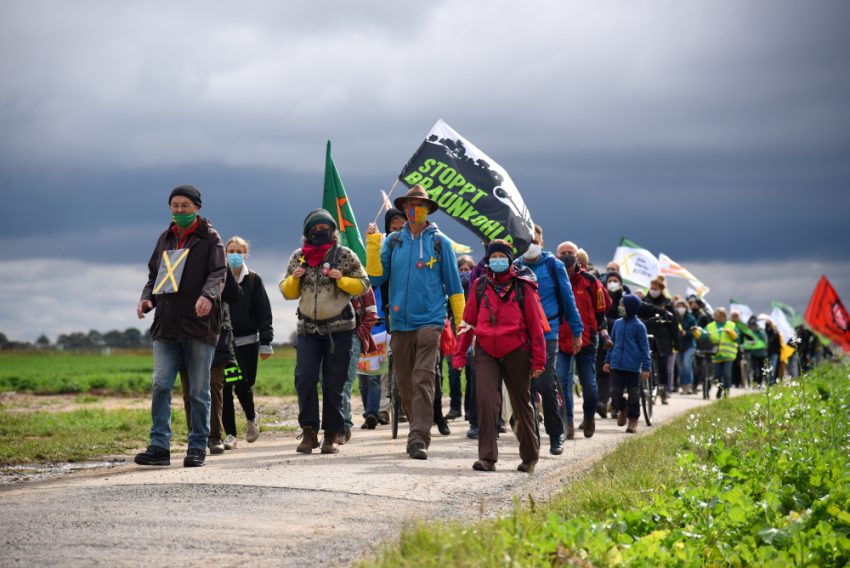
(230,442)
(253,429)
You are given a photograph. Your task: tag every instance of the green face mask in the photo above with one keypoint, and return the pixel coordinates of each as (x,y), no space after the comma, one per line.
(183,220)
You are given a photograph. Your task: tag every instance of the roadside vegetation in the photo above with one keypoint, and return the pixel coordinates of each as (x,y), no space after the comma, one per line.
(762,480)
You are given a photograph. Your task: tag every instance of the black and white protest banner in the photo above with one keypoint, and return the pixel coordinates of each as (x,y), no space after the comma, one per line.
(470,187)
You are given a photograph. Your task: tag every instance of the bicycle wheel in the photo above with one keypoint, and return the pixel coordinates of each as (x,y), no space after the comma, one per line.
(395,401)
(647,398)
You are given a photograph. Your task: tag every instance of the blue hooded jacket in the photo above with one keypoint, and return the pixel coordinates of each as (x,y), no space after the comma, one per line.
(418,295)
(548,296)
(631,345)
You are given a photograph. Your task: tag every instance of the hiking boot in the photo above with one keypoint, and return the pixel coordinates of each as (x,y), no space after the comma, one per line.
(383,418)
(230,442)
(443,427)
(343,438)
(194,457)
(589,427)
(621,418)
(329,442)
(602,410)
(371,422)
(417,451)
(481,465)
(472,433)
(632,425)
(453,414)
(253,431)
(154,455)
(309,440)
(526,467)
(215,446)
(664,396)
(556,446)
(719,392)
(571,431)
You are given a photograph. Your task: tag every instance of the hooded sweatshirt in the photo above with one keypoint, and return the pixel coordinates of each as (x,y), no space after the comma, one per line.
(420,279)
(631,346)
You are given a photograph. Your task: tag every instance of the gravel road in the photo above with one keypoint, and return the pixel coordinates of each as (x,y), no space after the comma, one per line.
(264,502)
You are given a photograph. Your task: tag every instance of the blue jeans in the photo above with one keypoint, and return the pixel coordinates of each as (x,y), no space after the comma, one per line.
(723,373)
(321,355)
(586,367)
(370,391)
(685,364)
(197,356)
(349,382)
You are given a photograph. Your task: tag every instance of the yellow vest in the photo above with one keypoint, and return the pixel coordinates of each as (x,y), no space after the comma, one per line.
(725,338)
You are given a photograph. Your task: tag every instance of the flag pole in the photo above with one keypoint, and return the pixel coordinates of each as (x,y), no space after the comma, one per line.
(375,220)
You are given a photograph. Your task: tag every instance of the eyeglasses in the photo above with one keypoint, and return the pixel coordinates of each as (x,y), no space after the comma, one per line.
(182,206)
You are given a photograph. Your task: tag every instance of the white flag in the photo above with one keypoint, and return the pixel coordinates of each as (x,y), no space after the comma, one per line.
(638,266)
(743,310)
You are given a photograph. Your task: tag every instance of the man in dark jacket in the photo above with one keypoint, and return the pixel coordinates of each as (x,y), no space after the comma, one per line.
(186,275)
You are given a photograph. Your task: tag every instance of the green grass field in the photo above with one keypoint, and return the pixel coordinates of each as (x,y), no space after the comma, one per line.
(123,373)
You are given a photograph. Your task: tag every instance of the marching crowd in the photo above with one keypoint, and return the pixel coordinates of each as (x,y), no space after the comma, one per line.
(524,325)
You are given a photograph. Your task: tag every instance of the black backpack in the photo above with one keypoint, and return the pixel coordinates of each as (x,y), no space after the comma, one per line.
(481,286)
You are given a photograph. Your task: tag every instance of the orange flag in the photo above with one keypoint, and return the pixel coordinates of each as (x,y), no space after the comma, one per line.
(828,316)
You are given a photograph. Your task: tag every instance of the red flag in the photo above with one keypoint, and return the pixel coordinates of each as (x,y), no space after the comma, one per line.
(828,316)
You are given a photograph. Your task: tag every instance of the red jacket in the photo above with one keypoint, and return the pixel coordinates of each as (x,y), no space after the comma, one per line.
(512,327)
(592,301)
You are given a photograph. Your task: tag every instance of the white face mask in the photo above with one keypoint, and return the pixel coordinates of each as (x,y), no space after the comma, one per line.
(654,293)
(532,252)
(613,286)
(681,311)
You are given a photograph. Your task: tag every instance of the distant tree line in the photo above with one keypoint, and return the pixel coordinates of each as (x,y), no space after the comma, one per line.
(130,338)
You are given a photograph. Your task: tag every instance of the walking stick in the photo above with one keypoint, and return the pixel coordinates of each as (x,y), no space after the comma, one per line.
(375,220)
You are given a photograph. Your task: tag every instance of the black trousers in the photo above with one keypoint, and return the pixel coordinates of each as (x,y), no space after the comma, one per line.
(246,355)
(316,357)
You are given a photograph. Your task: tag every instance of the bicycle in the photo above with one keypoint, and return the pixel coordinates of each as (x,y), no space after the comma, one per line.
(649,387)
(395,398)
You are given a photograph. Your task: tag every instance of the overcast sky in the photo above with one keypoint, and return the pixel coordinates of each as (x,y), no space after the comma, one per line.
(715,132)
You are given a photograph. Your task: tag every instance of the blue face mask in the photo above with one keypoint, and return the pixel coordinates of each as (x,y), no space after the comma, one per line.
(499,265)
(464,278)
(235,260)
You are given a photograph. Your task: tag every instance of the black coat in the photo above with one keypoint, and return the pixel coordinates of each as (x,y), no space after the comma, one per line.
(203,275)
(253,312)
(657,314)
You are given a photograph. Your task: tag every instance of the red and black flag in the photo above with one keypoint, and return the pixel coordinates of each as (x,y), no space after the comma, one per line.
(828,316)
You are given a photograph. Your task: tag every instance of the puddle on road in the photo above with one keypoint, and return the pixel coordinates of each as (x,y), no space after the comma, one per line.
(12,474)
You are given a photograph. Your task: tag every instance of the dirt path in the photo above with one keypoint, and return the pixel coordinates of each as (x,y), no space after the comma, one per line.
(263,502)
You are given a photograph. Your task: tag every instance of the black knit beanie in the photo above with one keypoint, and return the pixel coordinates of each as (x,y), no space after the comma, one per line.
(500,246)
(189,191)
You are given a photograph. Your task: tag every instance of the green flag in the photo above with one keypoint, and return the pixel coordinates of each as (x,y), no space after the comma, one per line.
(336,203)
(791,314)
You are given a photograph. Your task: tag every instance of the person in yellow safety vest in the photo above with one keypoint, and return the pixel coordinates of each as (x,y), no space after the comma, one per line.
(723,334)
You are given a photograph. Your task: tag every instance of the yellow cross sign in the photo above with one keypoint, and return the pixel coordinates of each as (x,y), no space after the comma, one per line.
(431,262)
(170,271)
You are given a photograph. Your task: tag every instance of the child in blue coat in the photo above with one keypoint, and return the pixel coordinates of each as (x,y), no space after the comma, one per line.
(628,362)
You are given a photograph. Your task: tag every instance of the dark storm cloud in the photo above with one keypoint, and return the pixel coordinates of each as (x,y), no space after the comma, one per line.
(713,132)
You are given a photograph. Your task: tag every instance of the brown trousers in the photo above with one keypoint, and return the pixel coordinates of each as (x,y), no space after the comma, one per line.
(515,369)
(216,397)
(414,364)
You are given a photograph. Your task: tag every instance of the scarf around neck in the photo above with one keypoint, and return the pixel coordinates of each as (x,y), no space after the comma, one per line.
(314,254)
